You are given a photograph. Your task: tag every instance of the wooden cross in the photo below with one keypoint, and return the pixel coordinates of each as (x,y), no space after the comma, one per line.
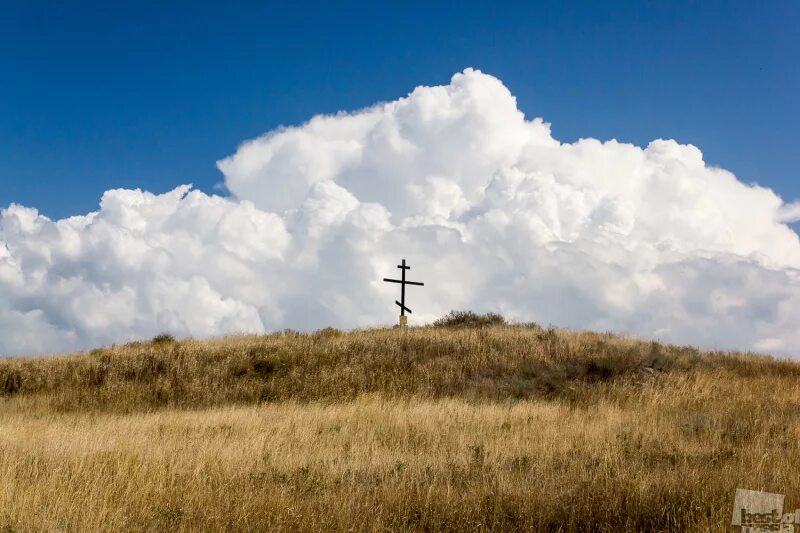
(402,281)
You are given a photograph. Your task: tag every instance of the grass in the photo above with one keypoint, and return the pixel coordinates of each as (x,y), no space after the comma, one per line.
(489,428)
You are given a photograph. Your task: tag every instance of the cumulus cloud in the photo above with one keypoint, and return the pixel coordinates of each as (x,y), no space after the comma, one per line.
(490,210)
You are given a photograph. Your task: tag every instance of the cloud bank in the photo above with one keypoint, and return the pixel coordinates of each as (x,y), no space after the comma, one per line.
(489,209)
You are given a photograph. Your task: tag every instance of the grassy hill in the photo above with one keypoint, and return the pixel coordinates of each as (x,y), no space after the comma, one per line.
(494,427)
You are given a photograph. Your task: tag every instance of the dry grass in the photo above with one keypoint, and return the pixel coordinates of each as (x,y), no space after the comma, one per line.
(495,428)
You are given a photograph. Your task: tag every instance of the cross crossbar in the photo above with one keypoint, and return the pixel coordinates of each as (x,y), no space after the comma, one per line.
(401,281)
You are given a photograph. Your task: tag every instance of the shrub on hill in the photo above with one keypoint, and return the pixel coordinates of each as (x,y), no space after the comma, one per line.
(163,338)
(469,319)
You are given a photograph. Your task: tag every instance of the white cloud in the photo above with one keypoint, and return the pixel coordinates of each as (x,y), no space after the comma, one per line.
(789,212)
(491,212)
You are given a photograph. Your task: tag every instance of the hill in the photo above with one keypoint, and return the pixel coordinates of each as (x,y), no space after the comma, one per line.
(495,427)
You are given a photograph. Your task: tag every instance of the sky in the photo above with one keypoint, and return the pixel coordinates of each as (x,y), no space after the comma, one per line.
(204,170)
(99,95)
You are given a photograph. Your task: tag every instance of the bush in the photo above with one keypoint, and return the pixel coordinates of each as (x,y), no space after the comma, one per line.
(327,333)
(10,381)
(164,338)
(469,319)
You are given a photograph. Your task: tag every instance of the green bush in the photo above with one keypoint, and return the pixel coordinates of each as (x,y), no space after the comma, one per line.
(164,338)
(469,319)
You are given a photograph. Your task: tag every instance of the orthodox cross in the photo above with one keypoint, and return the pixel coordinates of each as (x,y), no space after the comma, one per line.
(402,281)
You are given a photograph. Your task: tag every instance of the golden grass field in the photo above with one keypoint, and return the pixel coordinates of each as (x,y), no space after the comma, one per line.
(472,429)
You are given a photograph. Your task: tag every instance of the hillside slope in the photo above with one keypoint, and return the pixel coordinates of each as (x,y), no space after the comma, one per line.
(491,428)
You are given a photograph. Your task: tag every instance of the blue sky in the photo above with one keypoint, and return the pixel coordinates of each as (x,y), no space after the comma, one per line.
(100,95)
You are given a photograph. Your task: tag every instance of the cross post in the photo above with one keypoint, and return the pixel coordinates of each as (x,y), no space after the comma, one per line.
(403,282)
